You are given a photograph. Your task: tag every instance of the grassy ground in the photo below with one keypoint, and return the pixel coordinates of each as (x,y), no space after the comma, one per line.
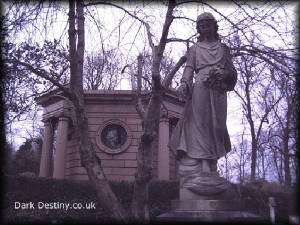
(42,191)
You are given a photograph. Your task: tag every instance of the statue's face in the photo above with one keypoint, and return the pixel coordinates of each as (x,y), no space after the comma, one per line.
(206,28)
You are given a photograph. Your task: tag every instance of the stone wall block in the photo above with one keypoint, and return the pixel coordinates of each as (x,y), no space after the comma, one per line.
(130,163)
(126,155)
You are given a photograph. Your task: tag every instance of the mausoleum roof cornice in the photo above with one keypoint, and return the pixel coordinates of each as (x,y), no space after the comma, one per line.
(106,96)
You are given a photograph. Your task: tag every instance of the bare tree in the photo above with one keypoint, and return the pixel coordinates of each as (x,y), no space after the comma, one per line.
(74,94)
(249,49)
(150,117)
(102,70)
(89,159)
(254,88)
(19,26)
(284,129)
(242,158)
(22,86)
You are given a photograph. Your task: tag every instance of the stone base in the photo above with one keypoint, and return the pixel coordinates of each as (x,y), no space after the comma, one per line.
(210,216)
(224,211)
(206,205)
(229,194)
(294,219)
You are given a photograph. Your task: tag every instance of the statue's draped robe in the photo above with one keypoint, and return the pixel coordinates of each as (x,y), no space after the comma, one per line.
(202,131)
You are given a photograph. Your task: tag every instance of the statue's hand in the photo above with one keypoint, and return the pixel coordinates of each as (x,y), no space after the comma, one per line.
(220,73)
(182,91)
(216,79)
(216,72)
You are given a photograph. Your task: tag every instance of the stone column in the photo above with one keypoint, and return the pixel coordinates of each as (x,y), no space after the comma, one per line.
(46,150)
(61,143)
(163,165)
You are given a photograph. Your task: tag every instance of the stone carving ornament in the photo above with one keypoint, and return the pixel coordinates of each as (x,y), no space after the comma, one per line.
(201,137)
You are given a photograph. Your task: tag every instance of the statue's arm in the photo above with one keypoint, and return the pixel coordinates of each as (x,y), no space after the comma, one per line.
(189,66)
(187,77)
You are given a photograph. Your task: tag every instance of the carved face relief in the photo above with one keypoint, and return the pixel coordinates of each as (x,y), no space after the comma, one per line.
(113,136)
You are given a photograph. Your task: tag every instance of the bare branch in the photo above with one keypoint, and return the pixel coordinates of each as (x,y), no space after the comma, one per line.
(187,1)
(159,50)
(80,43)
(167,81)
(41,73)
(72,46)
(183,17)
(139,106)
(265,116)
(181,40)
(147,26)
(168,21)
(139,75)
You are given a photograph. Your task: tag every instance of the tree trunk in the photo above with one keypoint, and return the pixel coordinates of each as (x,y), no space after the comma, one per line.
(89,159)
(263,164)
(286,156)
(279,172)
(253,158)
(253,139)
(140,208)
(252,129)
(287,171)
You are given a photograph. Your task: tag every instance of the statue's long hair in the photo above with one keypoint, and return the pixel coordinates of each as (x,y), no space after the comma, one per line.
(200,37)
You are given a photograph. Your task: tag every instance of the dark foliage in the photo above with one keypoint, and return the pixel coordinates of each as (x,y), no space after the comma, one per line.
(26,159)
(256,198)
(24,189)
(47,190)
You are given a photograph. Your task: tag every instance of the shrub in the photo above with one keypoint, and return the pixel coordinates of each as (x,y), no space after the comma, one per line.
(36,189)
(256,196)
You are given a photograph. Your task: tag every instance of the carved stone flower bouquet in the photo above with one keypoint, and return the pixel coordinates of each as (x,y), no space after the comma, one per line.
(215,78)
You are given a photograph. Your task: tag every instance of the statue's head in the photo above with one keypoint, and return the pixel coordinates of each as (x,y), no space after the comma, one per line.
(206,19)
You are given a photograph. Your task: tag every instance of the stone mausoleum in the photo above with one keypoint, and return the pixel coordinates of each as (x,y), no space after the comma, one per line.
(115,129)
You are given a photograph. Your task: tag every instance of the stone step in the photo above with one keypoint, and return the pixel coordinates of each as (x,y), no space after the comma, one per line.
(206,205)
(210,216)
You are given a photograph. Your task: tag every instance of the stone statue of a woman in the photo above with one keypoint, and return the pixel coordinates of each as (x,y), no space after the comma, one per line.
(201,137)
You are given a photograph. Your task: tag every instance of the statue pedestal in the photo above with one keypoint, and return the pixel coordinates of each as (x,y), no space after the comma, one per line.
(213,208)
(206,197)
(208,211)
